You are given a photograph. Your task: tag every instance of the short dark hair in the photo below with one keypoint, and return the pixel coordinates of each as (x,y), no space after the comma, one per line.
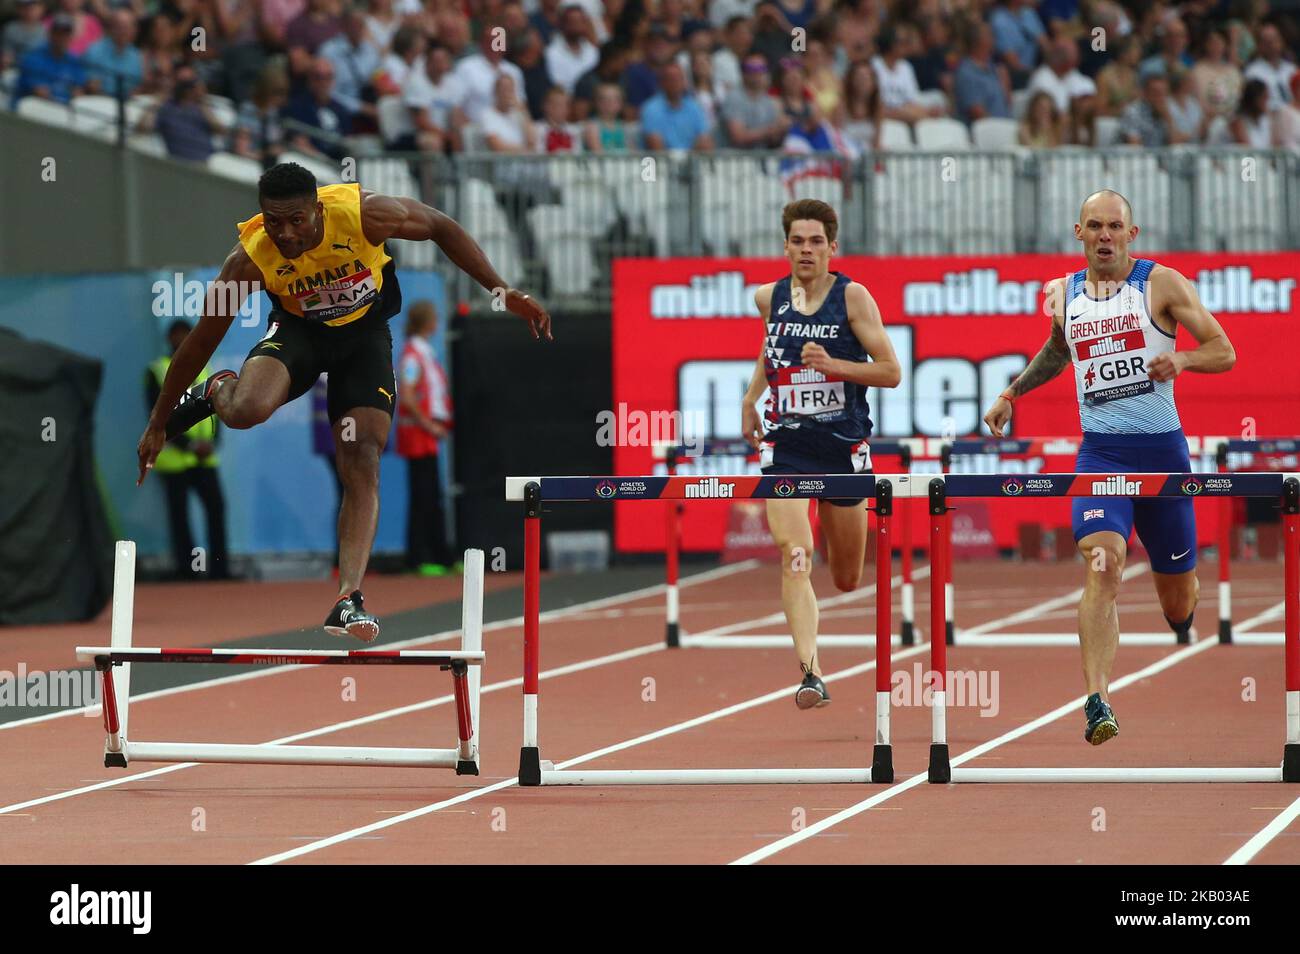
(287,180)
(814,209)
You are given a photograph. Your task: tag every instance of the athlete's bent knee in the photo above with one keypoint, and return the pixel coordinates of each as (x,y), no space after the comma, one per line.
(846,580)
(796,560)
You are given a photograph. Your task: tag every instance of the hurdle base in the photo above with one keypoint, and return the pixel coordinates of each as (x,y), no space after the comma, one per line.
(949,634)
(465,767)
(810,776)
(940,772)
(908,633)
(1092,776)
(115,759)
(1291,762)
(673,636)
(882,763)
(1225,630)
(530,766)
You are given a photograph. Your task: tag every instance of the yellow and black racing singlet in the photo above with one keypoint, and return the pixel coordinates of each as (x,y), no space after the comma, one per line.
(335,283)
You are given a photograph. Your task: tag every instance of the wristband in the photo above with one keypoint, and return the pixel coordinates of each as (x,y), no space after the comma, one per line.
(1010,398)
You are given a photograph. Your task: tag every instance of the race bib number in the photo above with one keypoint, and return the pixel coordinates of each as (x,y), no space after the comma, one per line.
(807,391)
(338,299)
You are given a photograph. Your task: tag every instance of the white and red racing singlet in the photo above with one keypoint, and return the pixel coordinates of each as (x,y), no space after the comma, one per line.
(1112,344)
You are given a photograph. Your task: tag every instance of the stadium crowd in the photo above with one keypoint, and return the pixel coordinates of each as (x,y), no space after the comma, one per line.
(554,76)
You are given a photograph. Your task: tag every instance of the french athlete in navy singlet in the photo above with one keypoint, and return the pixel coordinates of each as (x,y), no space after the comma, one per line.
(824,345)
(1115,323)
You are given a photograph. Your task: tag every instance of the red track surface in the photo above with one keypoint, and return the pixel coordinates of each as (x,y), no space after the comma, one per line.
(1191,713)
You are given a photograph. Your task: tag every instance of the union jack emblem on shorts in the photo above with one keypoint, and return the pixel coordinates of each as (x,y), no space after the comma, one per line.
(1093,514)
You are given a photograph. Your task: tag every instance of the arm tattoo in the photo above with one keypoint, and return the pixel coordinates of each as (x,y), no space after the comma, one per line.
(1047,364)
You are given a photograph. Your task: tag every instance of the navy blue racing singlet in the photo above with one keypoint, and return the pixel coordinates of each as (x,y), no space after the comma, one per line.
(801,398)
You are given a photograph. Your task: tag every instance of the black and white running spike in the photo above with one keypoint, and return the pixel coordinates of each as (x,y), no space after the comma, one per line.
(349,618)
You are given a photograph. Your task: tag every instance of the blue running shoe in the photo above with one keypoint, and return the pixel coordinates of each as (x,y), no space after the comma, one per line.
(1102,724)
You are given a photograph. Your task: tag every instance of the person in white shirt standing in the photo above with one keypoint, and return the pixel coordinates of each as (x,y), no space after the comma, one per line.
(900,94)
(478,73)
(1073,94)
(570,53)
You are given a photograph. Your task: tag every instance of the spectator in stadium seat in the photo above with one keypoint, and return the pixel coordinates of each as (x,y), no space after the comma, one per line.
(406,56)
(863,113)
(1073,94)
(982,89)
(525,51)
(382,22)
(275,17)
(823,84)
(1217,82)
(478,74)
(737,41)
(899,91)
(113,65)
(1148,121)
(259,133)
(1041,128)
(614,57)
(433,96)
(51,71)
(857,23)
(1185,111)
(1286,121)
(183,120)
(606,131)
(1173,55)
(306,33)
(570,54)
(1018,38)
(1118,84)
(317,107)
(555,134)
(356,61)
(795,14)
(752,117)
(243,57)
(86,29)
(701,86)
(453,32)
(673,118)
(936,60)
(1271,68)
(642,77)
(1253,124)
(22,34)
(722,13)
(505,124)
(547,19)
(160,55)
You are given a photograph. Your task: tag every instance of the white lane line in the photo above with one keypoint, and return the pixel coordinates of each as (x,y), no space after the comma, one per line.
(1070,707)
(1250,849)
(447,634)
(565,670)
(660,733)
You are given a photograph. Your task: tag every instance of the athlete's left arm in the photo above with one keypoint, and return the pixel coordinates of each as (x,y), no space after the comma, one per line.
(1174,297)
(386,217)
(883,370)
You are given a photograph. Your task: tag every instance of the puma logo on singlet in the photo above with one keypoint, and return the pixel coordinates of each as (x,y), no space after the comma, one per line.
(385,394)
(347,246)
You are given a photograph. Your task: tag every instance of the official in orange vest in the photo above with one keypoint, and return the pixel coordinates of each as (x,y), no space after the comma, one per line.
(424,417)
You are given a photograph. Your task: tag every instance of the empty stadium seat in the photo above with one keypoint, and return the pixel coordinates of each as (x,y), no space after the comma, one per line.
(994,133)
(942,133)
(235,167)
(44,111)
(895,136)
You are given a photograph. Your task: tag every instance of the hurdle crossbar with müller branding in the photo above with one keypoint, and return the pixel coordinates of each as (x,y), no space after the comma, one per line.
(463,664)
(1282,486)
(533,492)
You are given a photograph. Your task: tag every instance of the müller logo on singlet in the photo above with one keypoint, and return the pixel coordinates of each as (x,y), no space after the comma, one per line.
(1116,487)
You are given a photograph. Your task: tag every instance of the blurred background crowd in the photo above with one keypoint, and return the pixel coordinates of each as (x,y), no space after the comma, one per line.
(258,77)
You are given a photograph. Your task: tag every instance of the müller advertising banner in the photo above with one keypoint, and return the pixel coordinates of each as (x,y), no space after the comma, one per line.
(686,336)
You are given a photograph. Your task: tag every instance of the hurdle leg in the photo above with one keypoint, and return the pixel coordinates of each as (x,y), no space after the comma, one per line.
(673,561)
(940,768)
(1291,570)
(117,688)
(882,755)
(471,640)
(908,630)
(1225,569)
(949,594)
(530,763)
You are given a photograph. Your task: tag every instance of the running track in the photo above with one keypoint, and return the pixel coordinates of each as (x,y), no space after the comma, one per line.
(710,708)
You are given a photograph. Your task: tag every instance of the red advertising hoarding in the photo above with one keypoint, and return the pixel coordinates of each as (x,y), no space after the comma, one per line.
(686,335)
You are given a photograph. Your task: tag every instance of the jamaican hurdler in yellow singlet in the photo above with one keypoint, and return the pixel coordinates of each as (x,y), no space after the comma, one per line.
(319,255)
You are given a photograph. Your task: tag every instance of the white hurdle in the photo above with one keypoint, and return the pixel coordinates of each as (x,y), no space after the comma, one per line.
(464,664)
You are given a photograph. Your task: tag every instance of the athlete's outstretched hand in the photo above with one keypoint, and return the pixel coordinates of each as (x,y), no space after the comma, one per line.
(751,425)
(151,442)
(998,416)
(531,310)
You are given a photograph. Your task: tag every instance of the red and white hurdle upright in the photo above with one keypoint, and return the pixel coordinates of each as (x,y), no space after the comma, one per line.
(114,663)
(534,491)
